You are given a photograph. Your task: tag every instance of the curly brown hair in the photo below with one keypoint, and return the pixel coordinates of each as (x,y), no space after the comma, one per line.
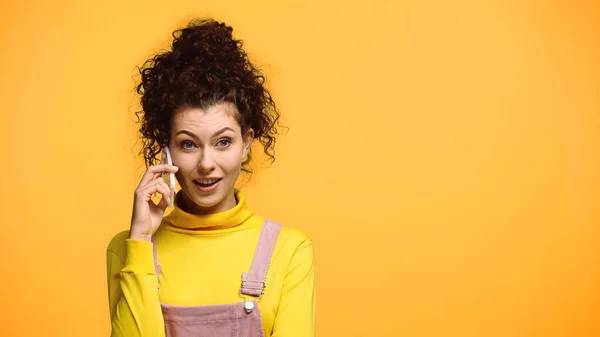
(205,66)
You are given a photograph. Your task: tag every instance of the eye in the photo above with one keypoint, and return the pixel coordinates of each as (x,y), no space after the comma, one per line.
(224,142)
(186,144)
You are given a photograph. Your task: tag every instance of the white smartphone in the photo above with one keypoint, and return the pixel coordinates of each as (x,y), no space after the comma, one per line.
(169,178)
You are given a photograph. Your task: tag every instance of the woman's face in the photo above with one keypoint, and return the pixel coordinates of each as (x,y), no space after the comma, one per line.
(208,147)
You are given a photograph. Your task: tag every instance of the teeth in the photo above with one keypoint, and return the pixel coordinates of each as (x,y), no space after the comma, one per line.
(206,182)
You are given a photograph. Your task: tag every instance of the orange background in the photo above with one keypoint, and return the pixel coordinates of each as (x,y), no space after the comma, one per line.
(444,156)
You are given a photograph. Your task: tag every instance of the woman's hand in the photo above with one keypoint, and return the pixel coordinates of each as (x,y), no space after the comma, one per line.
(147,215)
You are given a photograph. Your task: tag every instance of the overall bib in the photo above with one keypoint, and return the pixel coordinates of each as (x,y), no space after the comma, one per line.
(240,319)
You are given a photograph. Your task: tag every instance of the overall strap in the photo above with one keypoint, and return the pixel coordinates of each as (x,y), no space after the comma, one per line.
(156,265)
(253,283)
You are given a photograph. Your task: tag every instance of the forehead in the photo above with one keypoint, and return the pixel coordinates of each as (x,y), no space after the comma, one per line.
(199,120)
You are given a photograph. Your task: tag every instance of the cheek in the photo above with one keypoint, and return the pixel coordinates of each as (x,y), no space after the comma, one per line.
(231,161)
(180,163)
(180,175)
(186,165)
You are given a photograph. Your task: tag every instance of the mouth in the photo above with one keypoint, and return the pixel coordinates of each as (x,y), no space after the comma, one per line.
(207,182)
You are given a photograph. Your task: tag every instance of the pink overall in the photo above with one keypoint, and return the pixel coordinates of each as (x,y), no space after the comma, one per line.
(240,319)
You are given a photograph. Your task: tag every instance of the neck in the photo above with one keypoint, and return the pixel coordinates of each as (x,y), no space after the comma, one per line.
(231,217)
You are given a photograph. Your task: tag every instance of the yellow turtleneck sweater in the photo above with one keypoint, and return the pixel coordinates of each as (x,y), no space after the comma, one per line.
(202,259)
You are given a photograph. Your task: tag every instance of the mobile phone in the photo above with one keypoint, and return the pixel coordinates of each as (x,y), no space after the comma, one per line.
(169,178)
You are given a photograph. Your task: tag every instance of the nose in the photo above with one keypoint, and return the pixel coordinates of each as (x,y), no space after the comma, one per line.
(206,163)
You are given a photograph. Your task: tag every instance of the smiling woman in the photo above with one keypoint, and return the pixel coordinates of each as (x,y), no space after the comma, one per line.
(179,275)
(209,148)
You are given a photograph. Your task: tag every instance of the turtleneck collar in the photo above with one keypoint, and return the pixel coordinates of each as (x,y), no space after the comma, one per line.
(185,222)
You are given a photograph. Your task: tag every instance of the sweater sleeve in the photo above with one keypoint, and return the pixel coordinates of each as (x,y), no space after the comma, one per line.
(133,292)
(296,313)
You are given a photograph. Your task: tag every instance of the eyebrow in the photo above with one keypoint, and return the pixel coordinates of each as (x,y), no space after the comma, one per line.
(191,134)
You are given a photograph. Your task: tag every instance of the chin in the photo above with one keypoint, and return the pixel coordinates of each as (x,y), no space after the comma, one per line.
(203,204)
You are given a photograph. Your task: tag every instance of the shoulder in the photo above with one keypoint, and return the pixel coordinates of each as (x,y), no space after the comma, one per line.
(292,237)
(117,243)
(294,249)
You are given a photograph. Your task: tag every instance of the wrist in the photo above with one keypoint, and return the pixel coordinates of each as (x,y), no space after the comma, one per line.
(139,236)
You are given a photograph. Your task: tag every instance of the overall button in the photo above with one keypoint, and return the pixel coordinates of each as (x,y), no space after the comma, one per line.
(249,306)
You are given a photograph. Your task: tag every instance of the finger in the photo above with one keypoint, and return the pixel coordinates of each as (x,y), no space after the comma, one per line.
(164,202)
(152,172)
(156,186)
(165,196)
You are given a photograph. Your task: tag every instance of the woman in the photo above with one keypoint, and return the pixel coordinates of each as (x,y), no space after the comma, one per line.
(211,267)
